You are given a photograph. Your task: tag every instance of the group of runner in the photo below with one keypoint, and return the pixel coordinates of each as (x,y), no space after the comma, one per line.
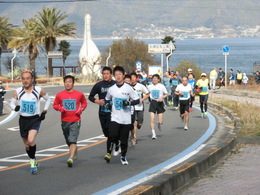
(121,109)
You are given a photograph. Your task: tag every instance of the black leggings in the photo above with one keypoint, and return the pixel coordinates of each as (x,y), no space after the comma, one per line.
(203,101)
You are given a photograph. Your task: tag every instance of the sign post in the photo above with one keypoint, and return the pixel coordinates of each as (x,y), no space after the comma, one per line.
(138,65)
(159,48)
(225,50)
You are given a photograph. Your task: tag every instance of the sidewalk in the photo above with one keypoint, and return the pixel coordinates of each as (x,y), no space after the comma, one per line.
(238,173)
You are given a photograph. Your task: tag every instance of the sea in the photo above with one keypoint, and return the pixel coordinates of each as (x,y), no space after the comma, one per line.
(206,53)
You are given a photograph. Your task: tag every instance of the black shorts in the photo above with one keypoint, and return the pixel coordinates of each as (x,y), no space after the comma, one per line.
(203,99)
(156,107)
(184,106)
(29,123)
(105,119)
(139,116)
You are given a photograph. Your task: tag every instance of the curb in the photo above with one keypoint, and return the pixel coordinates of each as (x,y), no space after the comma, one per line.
(239,93)
(171,181)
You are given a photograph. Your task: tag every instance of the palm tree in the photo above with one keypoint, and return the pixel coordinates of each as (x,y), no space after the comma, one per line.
(167,40)
(28,38)
(50,21)
(64,47)
(5,35)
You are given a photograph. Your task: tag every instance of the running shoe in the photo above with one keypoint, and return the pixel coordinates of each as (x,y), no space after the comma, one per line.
(160,127)
(191,109)
(70,162)
(202,115)
(34,166)
(123,160)
(205,115)
(186,127)
(107,157)
(117,150)
(154,137)
(139,126)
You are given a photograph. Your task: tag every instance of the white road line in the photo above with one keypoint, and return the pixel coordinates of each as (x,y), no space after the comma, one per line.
(13,160)
(9,118)
(59,149)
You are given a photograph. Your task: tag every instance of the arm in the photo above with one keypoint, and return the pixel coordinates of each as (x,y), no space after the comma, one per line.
(57,104)
(14,101)
(91,97)
(47,99)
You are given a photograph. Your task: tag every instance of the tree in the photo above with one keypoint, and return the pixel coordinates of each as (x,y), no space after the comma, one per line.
(185,65)
(29,39)
(167,40)
(51,27)
(64,47)
(127,51)
(6,30)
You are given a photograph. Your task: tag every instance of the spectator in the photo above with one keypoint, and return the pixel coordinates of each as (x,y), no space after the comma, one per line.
(239,77)
(257,77)
(221,75)
(232,77)
(244,79)
(213,77)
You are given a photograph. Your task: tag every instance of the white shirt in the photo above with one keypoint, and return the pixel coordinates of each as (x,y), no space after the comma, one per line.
(157,91)
(119,113)
(29,103)
(140,90)
(184,89)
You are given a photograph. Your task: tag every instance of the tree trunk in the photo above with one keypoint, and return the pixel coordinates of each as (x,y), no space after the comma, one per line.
(0,61)
(51,48)
(32,58)
(64,69)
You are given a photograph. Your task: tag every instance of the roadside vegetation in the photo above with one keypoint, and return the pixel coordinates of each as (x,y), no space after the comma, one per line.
(248,114)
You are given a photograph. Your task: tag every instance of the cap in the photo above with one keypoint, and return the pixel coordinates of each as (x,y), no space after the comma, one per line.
(1,82)
(203,74)
(190,70)
(220,68)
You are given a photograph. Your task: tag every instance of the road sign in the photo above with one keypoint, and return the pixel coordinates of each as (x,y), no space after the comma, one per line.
(55,54)
(138,65)
(159,48)
(225,50)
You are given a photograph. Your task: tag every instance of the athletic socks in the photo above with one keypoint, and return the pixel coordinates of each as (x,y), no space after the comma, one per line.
(31,152)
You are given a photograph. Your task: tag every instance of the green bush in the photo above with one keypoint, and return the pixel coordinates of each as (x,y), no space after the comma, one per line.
(17,73)
(185,65)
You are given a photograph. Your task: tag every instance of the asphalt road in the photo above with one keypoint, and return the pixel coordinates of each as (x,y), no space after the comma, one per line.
(90,172)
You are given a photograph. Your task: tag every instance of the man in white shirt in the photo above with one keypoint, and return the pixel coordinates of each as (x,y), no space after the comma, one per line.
(120,94)
(157,93)
(140,89)
(184,91)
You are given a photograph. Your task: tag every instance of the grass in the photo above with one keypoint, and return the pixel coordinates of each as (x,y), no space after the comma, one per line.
(248,114)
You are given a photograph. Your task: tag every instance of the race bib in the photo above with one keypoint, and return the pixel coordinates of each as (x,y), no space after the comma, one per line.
(204,89)
(167,84)
(155,94)
(28,107)
(175,82)
(185,94)
(69,104)
(118,102)
(104,109)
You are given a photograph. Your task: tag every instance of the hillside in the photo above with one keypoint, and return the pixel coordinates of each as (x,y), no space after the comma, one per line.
(114,15)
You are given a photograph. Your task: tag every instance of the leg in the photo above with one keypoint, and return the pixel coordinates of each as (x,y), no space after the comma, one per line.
(186,115)
(152,120)
(73,149)
(123,137)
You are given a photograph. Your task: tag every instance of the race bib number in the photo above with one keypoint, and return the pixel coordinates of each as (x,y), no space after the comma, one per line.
(118,102)
(28,107)
(69,104)
(185,94)
(175,82)
(167,84)
(155,94)
(104,109)
(204,89)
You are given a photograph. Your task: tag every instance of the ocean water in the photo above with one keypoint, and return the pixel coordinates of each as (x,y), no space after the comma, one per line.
(206,53)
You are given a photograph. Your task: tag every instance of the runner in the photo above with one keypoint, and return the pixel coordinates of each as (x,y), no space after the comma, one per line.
(192,83)
(157,93)
(71,104)
(2,93)
(120,94)
(184,90)
(167,83)
(140,89)
(174,83)
(202,86)
(28,97)
(101,89)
